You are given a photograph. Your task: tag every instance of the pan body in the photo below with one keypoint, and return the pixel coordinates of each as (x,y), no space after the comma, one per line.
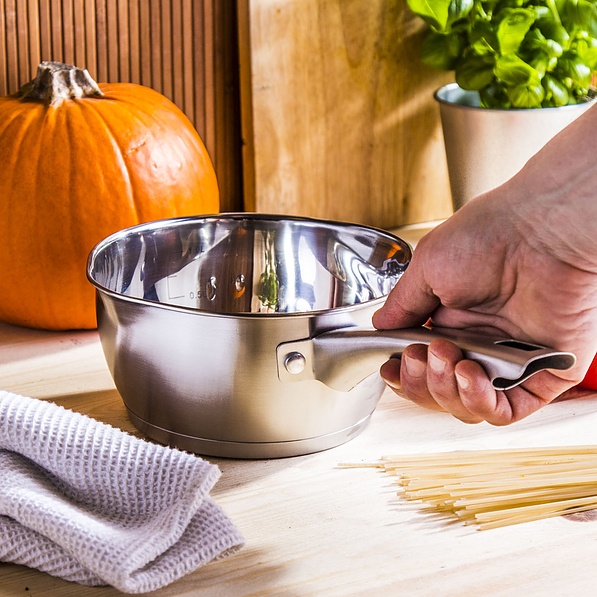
(191,312)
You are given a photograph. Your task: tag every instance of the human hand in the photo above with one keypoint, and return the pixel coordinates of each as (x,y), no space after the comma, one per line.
(485,270)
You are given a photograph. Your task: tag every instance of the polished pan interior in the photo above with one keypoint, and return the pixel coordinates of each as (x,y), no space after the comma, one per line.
(191,313)
(242,264)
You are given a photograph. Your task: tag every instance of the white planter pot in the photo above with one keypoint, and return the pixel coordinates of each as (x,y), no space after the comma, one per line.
(486,147)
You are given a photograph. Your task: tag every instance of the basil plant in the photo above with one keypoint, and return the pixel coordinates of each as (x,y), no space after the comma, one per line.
(515,53)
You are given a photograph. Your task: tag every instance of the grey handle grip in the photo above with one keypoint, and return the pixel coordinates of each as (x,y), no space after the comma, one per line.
(342,358)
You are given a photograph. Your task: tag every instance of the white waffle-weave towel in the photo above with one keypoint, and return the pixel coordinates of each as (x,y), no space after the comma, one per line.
(88,503)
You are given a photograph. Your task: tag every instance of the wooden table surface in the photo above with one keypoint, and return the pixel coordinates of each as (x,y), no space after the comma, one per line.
(313,528)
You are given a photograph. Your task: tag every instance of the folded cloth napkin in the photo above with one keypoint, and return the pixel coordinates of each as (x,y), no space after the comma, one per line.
(88,503)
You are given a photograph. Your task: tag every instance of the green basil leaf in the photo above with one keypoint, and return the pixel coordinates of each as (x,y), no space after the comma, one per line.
(495,7)
(494,96)
(515,72)
(541,63)
(441,51)
(542,12)
(572,67)
(459,9)
(434,12)
(587,52)
(482,38)
(556,93)
(474,72)
(560,6)
(589,56)
(554,31)
(581,14)
(515,53)
(513,27)
(553,49)
(526,96)
(535,43)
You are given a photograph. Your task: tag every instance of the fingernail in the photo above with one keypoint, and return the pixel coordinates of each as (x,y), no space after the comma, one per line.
(390,373)
(395,385)
(462,381)
(437,364)
(414,367)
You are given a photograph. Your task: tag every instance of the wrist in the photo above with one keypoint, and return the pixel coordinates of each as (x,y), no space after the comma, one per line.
(553,199)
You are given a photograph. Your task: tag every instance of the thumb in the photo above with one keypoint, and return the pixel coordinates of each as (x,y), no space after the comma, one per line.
(410,303)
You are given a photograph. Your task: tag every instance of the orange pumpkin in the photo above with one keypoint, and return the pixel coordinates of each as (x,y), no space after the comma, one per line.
(79,161)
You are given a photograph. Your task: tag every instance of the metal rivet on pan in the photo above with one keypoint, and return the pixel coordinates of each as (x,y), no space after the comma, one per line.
(295,363)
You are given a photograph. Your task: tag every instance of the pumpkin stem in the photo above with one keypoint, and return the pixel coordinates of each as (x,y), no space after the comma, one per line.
(55,82)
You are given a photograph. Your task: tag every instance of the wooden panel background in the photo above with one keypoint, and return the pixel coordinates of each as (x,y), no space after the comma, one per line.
(186,49)
(338,112)
(338,119)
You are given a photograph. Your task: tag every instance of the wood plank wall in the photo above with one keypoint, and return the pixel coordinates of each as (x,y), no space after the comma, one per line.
(338,112)
(186,49)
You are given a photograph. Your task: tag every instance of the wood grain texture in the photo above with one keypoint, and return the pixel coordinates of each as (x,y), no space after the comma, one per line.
(338,115)
(313,529)
(186,49)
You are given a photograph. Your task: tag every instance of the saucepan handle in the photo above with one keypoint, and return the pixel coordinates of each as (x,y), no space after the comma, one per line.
(342,358)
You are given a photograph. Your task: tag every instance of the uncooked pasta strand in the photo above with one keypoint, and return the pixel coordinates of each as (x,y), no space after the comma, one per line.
(514,486)
(537,512)
(493,488)
(484,455)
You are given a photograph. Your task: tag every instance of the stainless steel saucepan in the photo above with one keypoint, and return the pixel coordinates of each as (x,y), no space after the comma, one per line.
(249,336)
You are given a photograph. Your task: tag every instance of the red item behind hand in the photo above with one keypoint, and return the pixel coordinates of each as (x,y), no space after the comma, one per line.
(590,380)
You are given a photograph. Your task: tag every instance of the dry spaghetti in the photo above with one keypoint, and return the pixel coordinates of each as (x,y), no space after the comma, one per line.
(496,488)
